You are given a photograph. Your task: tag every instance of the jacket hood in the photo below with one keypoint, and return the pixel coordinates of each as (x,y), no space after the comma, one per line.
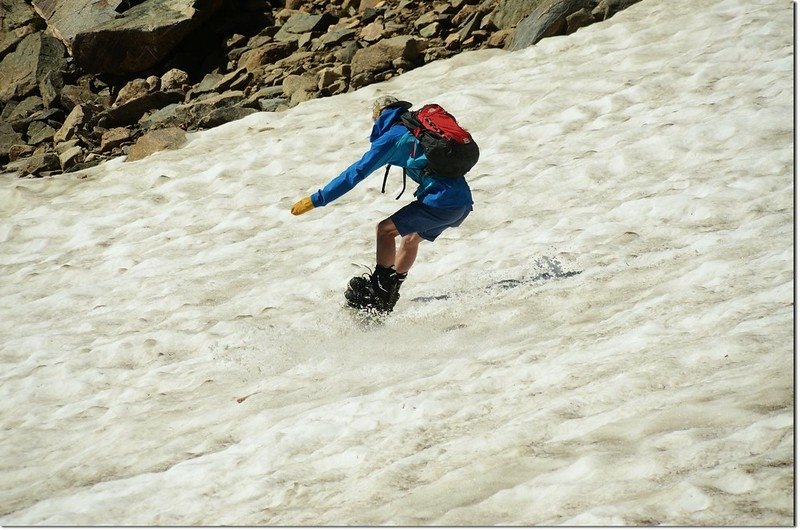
(385,121)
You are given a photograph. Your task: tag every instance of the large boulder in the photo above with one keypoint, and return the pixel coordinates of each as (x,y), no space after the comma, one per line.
(66,18)
(141,38)
(509,13)
(549,19)
(38,57)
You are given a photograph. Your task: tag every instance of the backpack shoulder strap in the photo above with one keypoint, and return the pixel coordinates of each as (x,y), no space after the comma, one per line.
(411,121)
(386,177)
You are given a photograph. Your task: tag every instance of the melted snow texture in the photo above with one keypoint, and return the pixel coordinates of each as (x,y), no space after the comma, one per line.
(606,340)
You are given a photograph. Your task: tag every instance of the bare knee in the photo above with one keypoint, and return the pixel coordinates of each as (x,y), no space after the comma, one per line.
(386,228)
(411,240)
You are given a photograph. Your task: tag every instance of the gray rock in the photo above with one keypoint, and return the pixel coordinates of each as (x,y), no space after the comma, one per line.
(301,23)
(236,80)
(224,115)
(40,132)
(47,115)
(50,87)
(272,104)
(337,36)
(141,38)
(9,38)
(71,157)
(549,19)
(509,13)
(131,111)
(39,163)
(346,53)
(192,114)
(8,138)
(20,71)
(173,115)
(263,94)
(469,26)
(67,18)
(25,108)
(16,14)
(431,30)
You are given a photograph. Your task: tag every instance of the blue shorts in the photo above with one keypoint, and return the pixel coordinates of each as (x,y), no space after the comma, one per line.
(427,221)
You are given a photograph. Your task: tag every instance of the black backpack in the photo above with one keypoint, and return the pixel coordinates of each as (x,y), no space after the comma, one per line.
(450,149)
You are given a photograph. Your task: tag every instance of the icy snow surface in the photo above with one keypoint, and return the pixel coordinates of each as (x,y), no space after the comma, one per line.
(606,340)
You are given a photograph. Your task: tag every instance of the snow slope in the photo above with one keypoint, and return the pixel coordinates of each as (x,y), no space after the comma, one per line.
(606,340)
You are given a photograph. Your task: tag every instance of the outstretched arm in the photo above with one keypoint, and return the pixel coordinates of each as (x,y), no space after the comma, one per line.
(380,153)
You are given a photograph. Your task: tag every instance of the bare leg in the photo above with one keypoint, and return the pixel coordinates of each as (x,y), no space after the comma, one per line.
(387,254)
(407,253)
(386,250)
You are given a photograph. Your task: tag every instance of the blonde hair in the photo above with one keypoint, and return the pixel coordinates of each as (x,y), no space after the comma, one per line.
(381,103)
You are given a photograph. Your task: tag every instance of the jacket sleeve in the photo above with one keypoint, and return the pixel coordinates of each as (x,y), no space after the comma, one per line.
(379,154)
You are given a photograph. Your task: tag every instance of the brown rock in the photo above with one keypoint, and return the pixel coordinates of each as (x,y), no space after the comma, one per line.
(174,79)
(38,163)
(113,138)
(605,9)
(21,71)
(131,111)
(372,32)
(69,158)
(75,120)
(72,95)
(379,57)
(132,90)
(579,19)
(293,84)
(367,4)
(270,53)
(154,141)
(19,151)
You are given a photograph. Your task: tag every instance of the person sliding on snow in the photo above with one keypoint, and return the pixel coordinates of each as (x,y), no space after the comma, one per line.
(443,197)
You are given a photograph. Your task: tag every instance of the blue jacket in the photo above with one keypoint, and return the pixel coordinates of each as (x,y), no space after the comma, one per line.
(393,143)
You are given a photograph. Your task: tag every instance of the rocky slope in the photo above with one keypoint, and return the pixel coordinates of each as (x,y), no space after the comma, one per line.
(81,81)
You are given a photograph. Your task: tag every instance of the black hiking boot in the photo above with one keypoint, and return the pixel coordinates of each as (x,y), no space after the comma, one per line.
(379,291)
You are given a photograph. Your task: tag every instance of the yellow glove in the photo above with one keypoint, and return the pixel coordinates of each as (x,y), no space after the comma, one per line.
(302,206)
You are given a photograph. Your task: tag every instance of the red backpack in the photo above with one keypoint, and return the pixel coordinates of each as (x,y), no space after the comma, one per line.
(450,149)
